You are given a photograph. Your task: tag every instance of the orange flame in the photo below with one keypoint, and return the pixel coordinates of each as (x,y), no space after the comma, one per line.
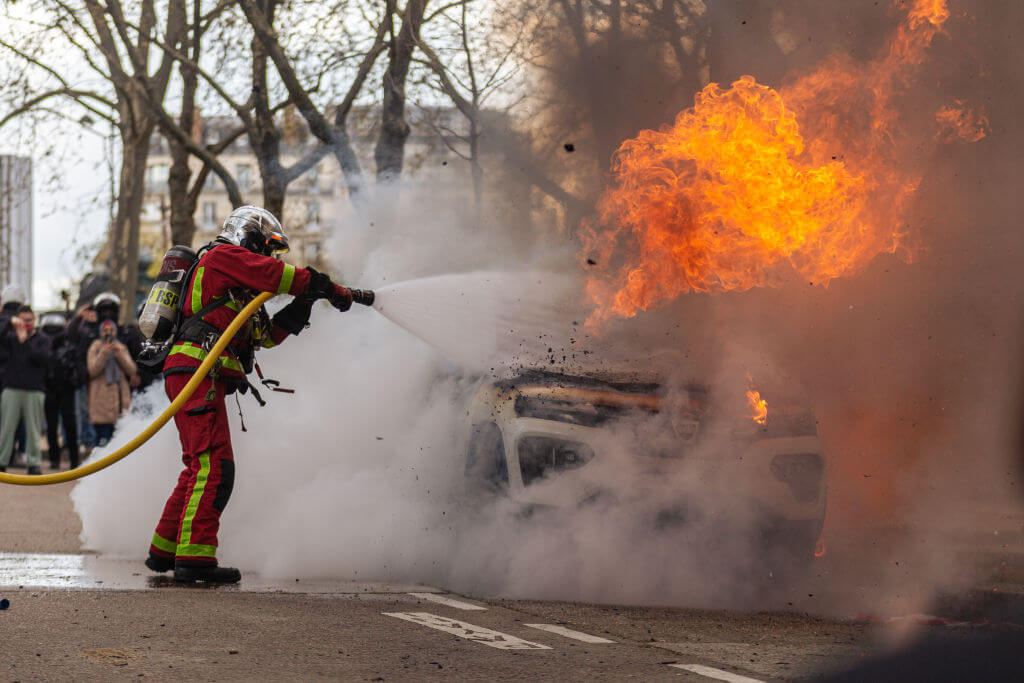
(748,188)
(758,405)
(819,547)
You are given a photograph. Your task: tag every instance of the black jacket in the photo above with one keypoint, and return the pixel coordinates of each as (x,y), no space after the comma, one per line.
(5,327)
(26,361)
(63,372)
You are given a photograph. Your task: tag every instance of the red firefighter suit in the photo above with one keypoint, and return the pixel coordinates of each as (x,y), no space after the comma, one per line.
(224,281)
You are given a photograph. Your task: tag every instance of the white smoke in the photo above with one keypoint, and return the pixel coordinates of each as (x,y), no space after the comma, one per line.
(359,475)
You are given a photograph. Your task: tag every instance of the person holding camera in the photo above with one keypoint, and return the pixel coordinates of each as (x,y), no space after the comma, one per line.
(111,368)
(63,377)
(84,330)
(24,390)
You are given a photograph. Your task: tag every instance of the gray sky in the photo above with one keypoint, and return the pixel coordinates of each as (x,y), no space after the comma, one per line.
(64,219)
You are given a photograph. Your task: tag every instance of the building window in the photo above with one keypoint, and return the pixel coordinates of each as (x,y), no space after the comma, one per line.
(243,176)
(209,215)
(313,213)
(157,180)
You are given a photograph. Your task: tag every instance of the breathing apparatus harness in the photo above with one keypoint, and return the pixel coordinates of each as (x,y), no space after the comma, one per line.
(197,331)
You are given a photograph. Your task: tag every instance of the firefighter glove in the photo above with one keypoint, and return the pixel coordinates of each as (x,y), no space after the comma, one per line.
(320,285)
(340,298)
(294,317)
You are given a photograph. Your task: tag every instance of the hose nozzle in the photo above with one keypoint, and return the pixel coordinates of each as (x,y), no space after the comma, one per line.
(363,296)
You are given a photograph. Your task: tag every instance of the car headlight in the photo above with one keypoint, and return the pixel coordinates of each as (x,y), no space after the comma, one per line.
(541,455)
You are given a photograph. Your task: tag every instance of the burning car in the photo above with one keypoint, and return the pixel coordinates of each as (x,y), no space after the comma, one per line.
(542,439)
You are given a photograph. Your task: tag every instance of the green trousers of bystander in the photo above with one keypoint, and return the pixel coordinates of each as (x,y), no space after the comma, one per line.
(17,405)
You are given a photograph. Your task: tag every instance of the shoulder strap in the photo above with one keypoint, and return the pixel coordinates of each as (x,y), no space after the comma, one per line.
(210,307)
(213,305)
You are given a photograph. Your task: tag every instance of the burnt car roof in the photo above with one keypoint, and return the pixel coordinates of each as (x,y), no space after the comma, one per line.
(624,382)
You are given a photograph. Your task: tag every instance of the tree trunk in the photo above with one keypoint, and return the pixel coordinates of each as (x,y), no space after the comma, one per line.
(124,235)
(477,170)
(390,151)
(182,220)
(264,136)
(183,203)
(274,188)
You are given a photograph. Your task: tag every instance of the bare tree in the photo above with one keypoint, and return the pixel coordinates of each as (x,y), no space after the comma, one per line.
(117,48)
(328,124)
(390,151)
(478,68)
(609,67)
(515,147)
(127,55)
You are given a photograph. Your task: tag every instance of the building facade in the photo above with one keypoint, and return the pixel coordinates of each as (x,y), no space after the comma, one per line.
(317,204)
(317,192)
(16,221)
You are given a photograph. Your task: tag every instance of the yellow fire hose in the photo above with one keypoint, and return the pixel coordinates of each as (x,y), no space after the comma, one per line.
(159,422)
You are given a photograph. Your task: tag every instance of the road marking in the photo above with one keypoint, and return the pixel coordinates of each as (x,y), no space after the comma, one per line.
(447,602)
(485,636)
(569,633)
(717,674)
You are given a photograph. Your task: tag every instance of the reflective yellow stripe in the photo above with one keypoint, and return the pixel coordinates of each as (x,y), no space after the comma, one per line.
(195,352)
(163,544)
(193,501)
(233,306)
(197,551)
(286,279)
(197,290)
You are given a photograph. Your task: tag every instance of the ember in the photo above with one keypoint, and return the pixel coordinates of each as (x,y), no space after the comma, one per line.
(959,121)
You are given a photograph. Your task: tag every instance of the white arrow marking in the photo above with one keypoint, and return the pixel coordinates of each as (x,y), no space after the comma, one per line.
(569,633)
(717,674)
(484,636)
(447,602)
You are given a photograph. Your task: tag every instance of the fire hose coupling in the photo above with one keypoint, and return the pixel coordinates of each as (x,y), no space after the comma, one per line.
(363,296)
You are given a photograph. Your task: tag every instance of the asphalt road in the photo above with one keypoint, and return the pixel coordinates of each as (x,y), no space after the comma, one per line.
(75,617)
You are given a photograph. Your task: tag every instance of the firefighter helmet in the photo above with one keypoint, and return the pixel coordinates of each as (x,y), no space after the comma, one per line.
(53,323)
(107,306)
(106,299)
(255,229)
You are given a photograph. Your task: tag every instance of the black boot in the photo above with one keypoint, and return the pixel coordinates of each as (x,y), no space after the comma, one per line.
(212,574)
(158,563)
(34,469)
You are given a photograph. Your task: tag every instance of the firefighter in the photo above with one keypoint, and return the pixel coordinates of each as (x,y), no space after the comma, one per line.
(240,263)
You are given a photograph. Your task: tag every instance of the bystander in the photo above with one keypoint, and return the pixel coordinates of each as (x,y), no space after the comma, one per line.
(23,394)
(63,377)
(110,369)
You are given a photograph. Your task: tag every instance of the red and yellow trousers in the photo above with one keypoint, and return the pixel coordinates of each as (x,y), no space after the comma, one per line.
(187,531)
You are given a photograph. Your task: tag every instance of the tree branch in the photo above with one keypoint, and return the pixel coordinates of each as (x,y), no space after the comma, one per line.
(76,95)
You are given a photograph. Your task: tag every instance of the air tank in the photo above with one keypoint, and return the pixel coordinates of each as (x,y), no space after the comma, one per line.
(160,313)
